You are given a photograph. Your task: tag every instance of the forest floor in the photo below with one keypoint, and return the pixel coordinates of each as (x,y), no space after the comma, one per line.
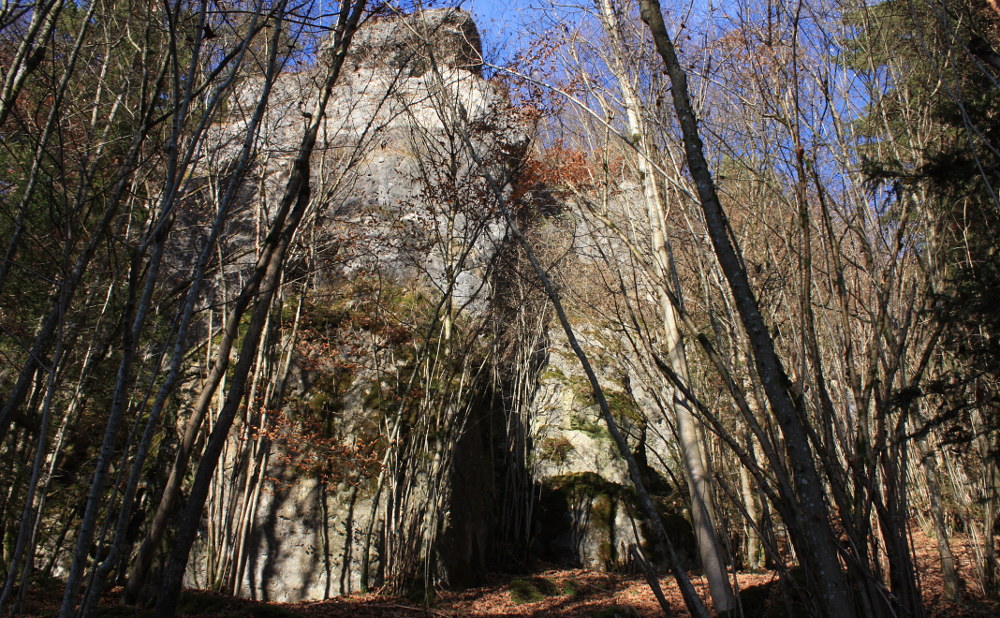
(555,592)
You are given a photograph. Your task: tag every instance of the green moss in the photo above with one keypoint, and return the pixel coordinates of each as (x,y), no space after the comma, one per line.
(621,403)
(329,391)
(606,553)
(582,391)
(602,498)
(570,588)
(602,518)
(590,426)
(602,511)
(552,374)
(565,354)
(623,406)
(555,449)
(289,308)
(531,590)
(420,593)
(523,591)
(587,484)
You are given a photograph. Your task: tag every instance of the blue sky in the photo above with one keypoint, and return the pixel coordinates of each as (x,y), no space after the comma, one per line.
(499,12)
(500,22)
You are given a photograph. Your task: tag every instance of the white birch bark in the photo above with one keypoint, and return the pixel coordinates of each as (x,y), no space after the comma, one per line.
(695,468)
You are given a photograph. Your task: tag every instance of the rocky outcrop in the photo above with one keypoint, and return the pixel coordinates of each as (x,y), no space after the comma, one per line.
(392,149)
(400,200)
(588,514)
(413,44)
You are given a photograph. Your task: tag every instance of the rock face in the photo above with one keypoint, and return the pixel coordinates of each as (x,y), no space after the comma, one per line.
(586,497)
(401,200)
(392,149)
(413,43)
(588,514)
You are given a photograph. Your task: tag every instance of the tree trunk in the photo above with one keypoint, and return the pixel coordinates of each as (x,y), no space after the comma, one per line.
(293,205)
(695,468)
(929,466)
(694,603)
(151,541)
(817,545)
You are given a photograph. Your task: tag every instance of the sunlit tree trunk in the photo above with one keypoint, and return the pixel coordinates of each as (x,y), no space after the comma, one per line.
(695,468)
(816,544)
(169,494)
(289,215)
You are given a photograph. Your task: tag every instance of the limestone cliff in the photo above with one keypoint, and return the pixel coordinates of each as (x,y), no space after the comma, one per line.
(470,464)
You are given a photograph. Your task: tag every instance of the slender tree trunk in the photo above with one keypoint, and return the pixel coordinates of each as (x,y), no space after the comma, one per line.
(695,469)
(28,516)
(753,541)
(817,545)
(40,153)
(293,205)
(29,53)
(949,572)
(165,506)
(68,287)
(177,164)
(119,403)
(694,603)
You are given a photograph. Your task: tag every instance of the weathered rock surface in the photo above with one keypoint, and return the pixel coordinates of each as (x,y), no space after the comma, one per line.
(400,197)
(393,131)
(588,514)
(414,43)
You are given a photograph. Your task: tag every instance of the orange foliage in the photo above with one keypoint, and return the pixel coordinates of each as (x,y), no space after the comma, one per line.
(306,450)
(561,169)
